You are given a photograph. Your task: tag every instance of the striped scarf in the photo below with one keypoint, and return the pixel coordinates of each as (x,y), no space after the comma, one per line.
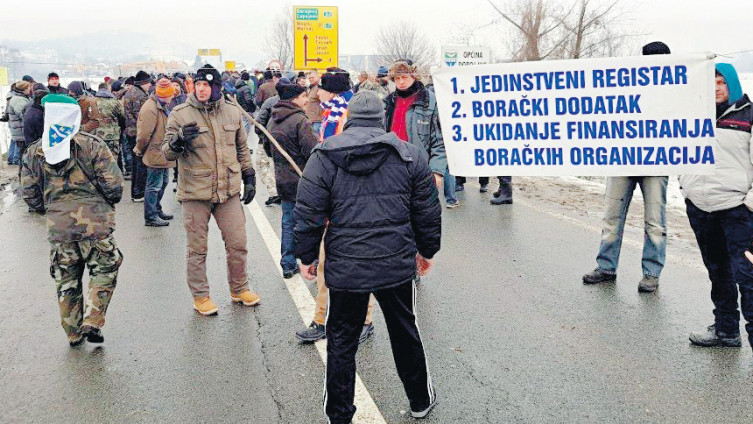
(335,115)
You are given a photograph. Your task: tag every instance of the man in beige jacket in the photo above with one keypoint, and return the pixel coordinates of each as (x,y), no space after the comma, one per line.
(206,136)
(150,132)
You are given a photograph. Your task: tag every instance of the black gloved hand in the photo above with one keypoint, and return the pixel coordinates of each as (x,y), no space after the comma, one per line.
(186,134)
(249,187)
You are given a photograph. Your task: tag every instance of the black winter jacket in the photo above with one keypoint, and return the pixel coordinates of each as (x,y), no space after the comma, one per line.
(245,94)
(290,127)
(33,124)
(378,196)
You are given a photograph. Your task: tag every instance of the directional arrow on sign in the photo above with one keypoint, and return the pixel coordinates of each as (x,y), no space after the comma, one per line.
(306,59)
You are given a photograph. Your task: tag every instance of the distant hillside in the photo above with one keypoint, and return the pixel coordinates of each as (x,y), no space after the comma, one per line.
(104,46)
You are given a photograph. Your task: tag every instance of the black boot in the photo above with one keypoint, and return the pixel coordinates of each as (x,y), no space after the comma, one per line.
(598,276)
(92,334)
(156,222)
(311,334)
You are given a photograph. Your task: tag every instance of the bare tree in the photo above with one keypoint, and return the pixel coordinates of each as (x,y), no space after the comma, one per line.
(538,26)
(280,38)
(549,30)
(403,40)
(593,31)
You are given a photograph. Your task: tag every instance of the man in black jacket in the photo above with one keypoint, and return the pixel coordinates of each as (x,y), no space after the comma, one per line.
(34,117)
(290,127)
(378,196)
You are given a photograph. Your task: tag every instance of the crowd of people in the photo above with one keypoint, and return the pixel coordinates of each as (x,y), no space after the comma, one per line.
(356,170)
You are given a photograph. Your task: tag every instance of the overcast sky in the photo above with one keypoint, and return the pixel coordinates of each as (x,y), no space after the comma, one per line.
(238,27)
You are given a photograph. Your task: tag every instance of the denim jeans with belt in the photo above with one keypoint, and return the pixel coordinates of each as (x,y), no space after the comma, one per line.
(619,194)
(723,237)
(156,181)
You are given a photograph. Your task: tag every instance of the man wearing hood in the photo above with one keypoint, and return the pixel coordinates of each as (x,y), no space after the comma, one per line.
(132,102)
(719,210)
(289,126)
(334,95)
(378,195)
(206,136)
(19,100)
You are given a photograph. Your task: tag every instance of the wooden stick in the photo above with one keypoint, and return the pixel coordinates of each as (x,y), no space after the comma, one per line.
(269,136)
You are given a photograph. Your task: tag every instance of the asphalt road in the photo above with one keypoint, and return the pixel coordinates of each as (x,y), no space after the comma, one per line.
(511,333)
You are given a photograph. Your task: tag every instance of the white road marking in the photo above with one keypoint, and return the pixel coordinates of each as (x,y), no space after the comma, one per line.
(366,410)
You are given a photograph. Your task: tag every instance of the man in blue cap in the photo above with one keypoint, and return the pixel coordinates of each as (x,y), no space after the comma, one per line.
(719,209)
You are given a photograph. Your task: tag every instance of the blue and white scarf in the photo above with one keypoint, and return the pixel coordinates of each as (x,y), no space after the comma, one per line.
(335,115)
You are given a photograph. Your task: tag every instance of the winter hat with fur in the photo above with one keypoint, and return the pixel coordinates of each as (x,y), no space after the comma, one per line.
(403,67)
(335,80)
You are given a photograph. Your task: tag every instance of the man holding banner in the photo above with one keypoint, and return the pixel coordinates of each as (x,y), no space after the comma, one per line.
(618,196)
(74,178)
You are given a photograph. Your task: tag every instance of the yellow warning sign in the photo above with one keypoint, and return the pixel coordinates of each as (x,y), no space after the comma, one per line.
(3,75)
(315,33)
(229,65)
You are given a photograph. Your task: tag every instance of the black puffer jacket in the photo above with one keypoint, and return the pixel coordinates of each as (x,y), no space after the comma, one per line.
(378,195)
(290,127)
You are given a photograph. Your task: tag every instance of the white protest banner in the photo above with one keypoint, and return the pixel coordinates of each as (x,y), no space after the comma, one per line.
(643,115)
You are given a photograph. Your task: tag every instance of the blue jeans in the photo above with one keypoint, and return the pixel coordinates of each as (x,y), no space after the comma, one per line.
(723,237)
(449,187)
(156,181)
(13,154)
(287,241)
(619,194)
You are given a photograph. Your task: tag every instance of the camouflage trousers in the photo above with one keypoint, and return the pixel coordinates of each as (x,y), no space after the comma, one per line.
(68,261)
(266,167)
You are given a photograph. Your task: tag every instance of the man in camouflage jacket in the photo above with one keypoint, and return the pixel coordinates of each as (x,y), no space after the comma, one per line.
(78,196)
(111,119)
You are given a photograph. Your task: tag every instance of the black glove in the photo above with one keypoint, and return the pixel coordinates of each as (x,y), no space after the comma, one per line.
(249,188)
(186,134)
